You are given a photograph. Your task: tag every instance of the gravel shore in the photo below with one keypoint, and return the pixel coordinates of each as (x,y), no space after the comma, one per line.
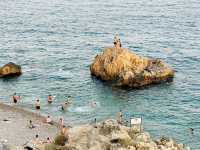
(14,125)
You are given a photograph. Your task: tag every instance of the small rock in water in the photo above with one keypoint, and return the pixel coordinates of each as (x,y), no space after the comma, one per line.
(10,69)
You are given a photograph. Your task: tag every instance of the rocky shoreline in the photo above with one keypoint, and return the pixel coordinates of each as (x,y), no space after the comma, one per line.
(106,135)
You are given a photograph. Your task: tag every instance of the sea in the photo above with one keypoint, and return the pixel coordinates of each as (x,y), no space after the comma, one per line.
(55,41)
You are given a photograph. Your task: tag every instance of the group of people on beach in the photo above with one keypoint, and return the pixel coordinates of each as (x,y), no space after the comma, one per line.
(64,130)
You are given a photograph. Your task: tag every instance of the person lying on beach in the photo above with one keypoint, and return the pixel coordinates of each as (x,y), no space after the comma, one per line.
(49,120)
(37,104)
(16,98)
(31,125)
(50,99)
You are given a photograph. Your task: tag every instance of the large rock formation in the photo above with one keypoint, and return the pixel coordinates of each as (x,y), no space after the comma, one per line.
(109,135)
(10,69)
(124,68)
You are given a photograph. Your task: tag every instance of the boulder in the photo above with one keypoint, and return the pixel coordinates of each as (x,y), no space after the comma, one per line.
(124,68)
(10,69)
(108,126)
(121,137)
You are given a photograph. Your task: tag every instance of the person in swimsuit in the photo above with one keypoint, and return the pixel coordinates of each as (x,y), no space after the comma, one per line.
(48,140)
(120,117)
(117,42)
(37,104)
(49,120)
(31,125)
(50,99)
(16,98)
(65,105)
(61,122)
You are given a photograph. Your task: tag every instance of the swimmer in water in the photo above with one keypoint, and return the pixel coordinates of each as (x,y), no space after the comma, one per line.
(37,104)
(66,104)
(50,99)
(191,130)
(16,98)
(93,104)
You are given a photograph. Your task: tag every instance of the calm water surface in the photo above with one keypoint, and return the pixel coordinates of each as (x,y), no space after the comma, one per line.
(55,41)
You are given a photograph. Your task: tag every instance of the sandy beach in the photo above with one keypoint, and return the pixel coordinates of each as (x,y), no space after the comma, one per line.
(14,125)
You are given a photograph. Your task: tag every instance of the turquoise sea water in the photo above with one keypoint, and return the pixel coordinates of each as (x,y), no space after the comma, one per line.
(55,41)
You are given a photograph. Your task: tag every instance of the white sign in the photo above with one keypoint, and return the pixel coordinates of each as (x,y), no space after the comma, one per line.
(136,121)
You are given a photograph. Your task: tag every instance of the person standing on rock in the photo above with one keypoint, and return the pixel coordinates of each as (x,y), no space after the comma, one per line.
(120,117)
(117,42)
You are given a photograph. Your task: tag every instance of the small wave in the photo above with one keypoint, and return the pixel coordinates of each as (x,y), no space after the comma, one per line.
(82,109)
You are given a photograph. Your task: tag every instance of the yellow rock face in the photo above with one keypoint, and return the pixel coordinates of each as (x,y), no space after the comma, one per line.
(10,69)
(125,68)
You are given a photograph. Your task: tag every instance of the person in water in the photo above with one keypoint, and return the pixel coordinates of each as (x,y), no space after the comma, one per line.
(117,42)
(37,104)
(16,98)
(93,104)
(50,99)
(66,104)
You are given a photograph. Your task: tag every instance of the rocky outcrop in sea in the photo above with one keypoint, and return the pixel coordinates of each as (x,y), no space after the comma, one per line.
(10,69)
(124,68)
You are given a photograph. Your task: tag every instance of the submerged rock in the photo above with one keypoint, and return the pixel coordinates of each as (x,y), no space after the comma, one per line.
(10,69)
(125,68)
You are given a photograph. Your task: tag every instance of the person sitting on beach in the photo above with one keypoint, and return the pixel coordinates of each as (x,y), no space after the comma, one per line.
(120,117)
(37,104)
(117,42)
(49,120)
(50,99)
(30,145)
(31,125)
(48,140)
(16,98)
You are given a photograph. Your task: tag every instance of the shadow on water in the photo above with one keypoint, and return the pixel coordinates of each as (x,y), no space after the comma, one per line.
(12,78)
